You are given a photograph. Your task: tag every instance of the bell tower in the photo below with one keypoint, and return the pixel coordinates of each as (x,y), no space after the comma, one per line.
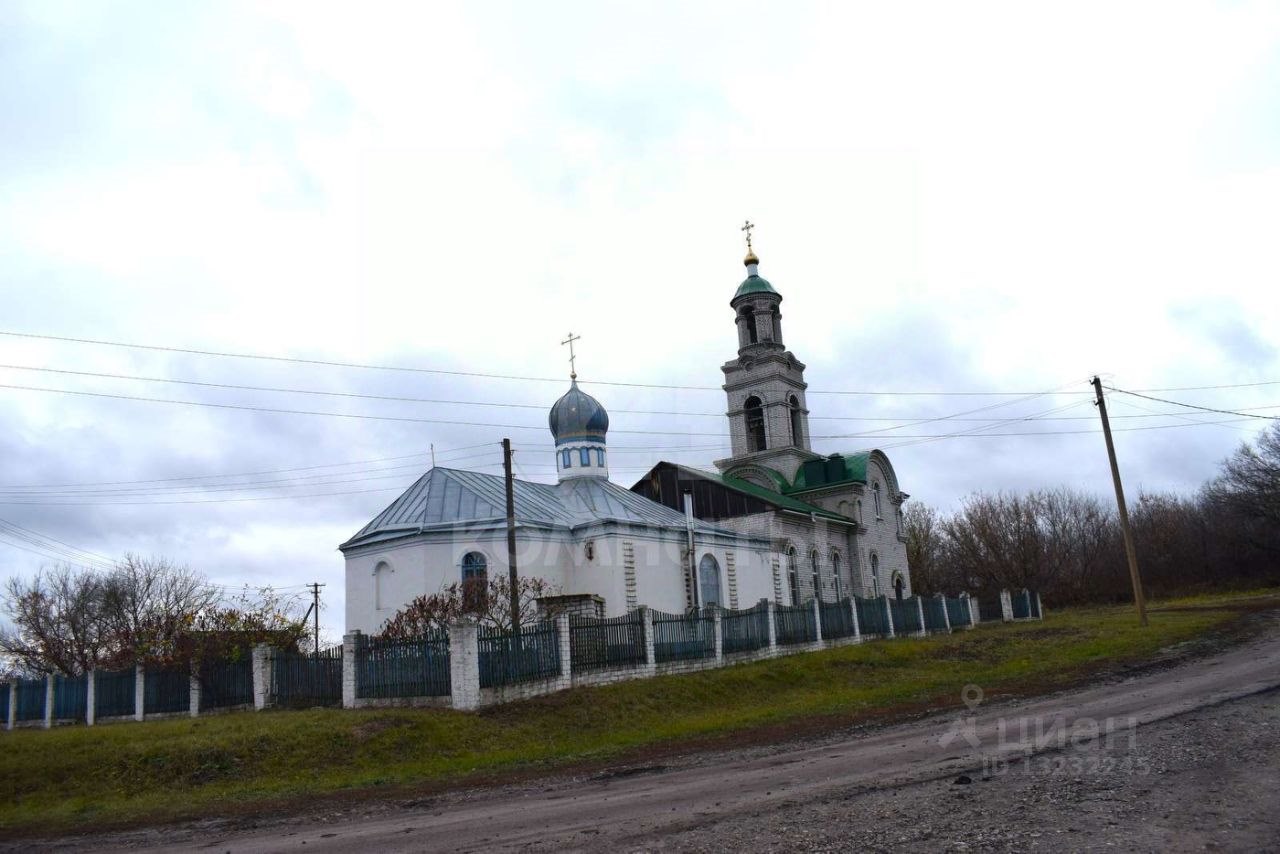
(768,416)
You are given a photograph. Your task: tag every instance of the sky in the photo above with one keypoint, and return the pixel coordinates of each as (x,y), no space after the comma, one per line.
(1001,199)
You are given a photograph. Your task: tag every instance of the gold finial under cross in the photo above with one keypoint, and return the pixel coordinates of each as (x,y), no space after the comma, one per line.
(747,225)
(573,372)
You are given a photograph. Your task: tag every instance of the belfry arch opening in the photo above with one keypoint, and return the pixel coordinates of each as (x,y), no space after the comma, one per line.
(753,411)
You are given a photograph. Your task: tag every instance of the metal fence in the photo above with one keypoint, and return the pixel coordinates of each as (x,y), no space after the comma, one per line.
(166,691)
(795,624)
(70,697)
(871,616)
(31,699)
(989,609)
(395,668)
(114,692)
(1021,605)
(226,683)
(746,630)
(4,701)
(958,611)
(837,619)
(683,637)
(906,616)
(935,613)
(596,642)
(302,679)
(507,658)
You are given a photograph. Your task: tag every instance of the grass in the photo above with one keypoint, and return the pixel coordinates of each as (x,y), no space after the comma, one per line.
(121,773)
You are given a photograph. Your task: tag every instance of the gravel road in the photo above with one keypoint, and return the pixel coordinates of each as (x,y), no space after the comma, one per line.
(1186,758)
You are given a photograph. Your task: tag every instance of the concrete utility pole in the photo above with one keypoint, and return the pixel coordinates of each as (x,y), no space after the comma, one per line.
(1139,599)
(511,535)
(315,609)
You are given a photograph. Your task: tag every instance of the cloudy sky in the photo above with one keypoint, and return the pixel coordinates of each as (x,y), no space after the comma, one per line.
(951,198)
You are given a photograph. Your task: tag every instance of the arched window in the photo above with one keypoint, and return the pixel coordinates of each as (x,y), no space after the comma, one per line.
(875,574)
(899,586)
(566,459)
(600,457)
(875,492)
(474,567)
(776,333)
(817,575)
(381,584)
(796,427)
(859,516)
(749,324)
(754,412)
(793,580)
(584,456)
(709,581)
(835,573)
(475,582)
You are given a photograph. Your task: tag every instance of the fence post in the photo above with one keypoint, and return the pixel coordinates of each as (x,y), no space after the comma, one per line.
(1006,606)
(650,655)
(719,629)
(853,609)
(1039,606)
(13,705)
(566,649)
(48,700)
(920,611)
(261,664)
(90,697)
(464,665)
(350,641)
(139,692)
(946,616)
(817,623)
(770,607)
(974,615)
(888,614)
(194,702)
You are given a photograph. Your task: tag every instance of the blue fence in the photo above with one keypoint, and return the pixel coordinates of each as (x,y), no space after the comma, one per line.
(303,680)
(507,658)
(70,697)
(906,616)
(958,611)
(935,613)
(4,703)
(226,683)
(395,668)
(596,643)
(114,692)
(683,637)
(990,609)
(837,620)
(795,624)
(31,696)
(166,691)
(871,616)
(746,630)
(1021,605)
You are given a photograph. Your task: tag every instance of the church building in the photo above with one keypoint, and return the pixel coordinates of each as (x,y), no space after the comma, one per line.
(776,521)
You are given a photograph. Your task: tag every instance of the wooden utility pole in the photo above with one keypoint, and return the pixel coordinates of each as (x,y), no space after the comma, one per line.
(1139,599)
(315,609)
(511,536)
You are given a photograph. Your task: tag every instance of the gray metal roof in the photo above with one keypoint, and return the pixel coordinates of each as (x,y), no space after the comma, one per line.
(446,498)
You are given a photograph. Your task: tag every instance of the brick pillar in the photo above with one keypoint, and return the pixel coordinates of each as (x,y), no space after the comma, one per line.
(48,700)
(350,641)
(464,665)
(646,620)
(1006,606)
(90,697)
(139,692)
(719,629)
(13,705)
(946,617)
(853,610)
(261,663)
(888,614)
(195,696)
(566,649)
(773,626)
(817,621)
(920,611)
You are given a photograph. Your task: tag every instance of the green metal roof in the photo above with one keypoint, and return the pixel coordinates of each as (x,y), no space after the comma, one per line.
(835,469)
(767,495)
(754,285)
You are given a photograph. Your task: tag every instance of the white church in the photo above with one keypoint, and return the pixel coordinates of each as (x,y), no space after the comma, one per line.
(775,520)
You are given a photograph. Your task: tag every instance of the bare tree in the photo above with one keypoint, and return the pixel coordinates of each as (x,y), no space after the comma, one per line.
(57,621)
(148,603)
(930,570)
(488,602)
(1250,479)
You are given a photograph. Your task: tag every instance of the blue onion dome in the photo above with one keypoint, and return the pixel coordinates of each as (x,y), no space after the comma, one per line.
(578,415)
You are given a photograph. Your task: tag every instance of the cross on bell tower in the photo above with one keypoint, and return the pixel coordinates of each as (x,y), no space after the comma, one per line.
(573,371)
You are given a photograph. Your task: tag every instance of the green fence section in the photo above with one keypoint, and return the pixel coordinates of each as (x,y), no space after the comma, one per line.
(70,697)
(746,630)
(990,609)
(935,613)
(305,679)
(1021,605)
(871,616)
(595,643)
(31,696)
(395,668)
(795,624)
(226,683)
(906,616)
(508,658)
(4,703)
(683,637)
(114,693)
(166,691)
(837,619)
(958,611)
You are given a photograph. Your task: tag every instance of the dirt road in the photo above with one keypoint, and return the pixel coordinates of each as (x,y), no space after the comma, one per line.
(887,788)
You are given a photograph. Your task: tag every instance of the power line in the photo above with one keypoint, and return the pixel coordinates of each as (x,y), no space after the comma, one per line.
(1194,406)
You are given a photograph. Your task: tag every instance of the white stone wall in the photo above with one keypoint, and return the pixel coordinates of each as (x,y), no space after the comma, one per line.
(882,536)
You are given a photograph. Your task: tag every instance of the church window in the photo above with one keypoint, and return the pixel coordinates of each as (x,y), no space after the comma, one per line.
(835,573)
(875,493)
(566,459)
(749,323)
(475,581)
(584,456)
(796,428)
(600,457)
(817,575)
(381,583)
(754,412)
(875,574)
(474,566)
(775,334)
(859,516)
(793,579)
(709,581)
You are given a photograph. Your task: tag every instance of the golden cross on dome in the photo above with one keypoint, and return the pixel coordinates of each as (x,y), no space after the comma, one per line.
(747,225)
(573,373)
